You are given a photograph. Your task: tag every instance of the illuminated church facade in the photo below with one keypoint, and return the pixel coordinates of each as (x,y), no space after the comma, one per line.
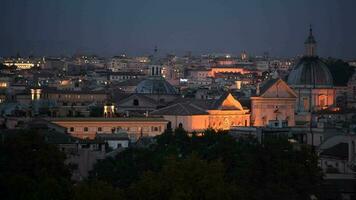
(273,105)
(198,115)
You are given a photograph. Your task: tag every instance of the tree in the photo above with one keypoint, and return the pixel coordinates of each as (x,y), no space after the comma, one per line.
(32,169)
(96,111)
(96,190)
(182,167)
(340,70)
(190,178)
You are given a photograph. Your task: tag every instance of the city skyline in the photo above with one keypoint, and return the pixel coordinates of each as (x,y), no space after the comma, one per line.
(280,28)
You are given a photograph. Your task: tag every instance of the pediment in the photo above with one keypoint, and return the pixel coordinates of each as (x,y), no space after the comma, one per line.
(279,89)
(230,103)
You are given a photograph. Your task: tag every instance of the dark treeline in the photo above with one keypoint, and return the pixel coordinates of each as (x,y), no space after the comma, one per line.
(177,166)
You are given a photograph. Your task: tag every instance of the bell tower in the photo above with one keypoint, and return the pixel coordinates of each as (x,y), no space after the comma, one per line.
(310,44)
(155,65)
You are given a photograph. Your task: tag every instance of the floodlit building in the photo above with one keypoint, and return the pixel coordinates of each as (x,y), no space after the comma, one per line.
(198,115)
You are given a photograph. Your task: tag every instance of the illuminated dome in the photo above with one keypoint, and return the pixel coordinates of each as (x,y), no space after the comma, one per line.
(310,72)
(155,85)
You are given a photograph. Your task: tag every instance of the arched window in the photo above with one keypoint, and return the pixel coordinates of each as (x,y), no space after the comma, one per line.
(180,125)
(322,100)
(169,125)
(136,102)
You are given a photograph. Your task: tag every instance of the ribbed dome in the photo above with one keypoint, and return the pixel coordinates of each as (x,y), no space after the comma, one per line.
(155,85)
(310,72)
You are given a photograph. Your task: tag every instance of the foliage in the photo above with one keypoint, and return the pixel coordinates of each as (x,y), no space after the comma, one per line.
(96,190)
(340,70)
(32,169)
(96,111)
(214,165)
(190,178)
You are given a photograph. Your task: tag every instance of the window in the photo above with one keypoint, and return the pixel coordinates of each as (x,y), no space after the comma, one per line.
(71,129)
(135,102)
(322,100)
(306,103)
(86,129)
(100,129)
(155,129)
(181,125)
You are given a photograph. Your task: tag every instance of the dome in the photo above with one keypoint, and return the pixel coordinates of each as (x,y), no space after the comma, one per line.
(155,85)
(310,72)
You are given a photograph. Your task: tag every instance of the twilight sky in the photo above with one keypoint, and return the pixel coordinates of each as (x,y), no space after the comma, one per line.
(110,27)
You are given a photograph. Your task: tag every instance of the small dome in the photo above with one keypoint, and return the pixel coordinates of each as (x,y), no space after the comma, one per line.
(310,72)
(155,85)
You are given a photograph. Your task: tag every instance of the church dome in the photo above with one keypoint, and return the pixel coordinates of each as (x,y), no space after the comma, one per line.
(310,72)
(155,85)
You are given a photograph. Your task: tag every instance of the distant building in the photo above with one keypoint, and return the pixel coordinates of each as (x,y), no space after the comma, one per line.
(90,127)
(71,103)
(21,63)
(198,115)
(122,76)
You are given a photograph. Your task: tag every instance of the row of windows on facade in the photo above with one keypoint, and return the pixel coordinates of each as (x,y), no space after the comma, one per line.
(100,129)
(74,95)
(73,104)
(273,106)
(122,77)
(232,123)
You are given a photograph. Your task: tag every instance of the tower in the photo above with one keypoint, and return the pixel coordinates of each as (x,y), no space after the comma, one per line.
(155,65)
(310,44)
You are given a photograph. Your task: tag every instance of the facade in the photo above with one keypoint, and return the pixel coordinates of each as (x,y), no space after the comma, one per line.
(274,105)
(72,103)
(122,76)
(198,115)
(90,127)
(23,63)
(236,69)
(351,93)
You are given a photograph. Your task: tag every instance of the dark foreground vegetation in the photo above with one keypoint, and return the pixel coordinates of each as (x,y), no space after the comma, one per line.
(212,166)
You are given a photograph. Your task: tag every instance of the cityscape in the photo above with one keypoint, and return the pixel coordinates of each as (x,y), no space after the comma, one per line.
(182,121)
